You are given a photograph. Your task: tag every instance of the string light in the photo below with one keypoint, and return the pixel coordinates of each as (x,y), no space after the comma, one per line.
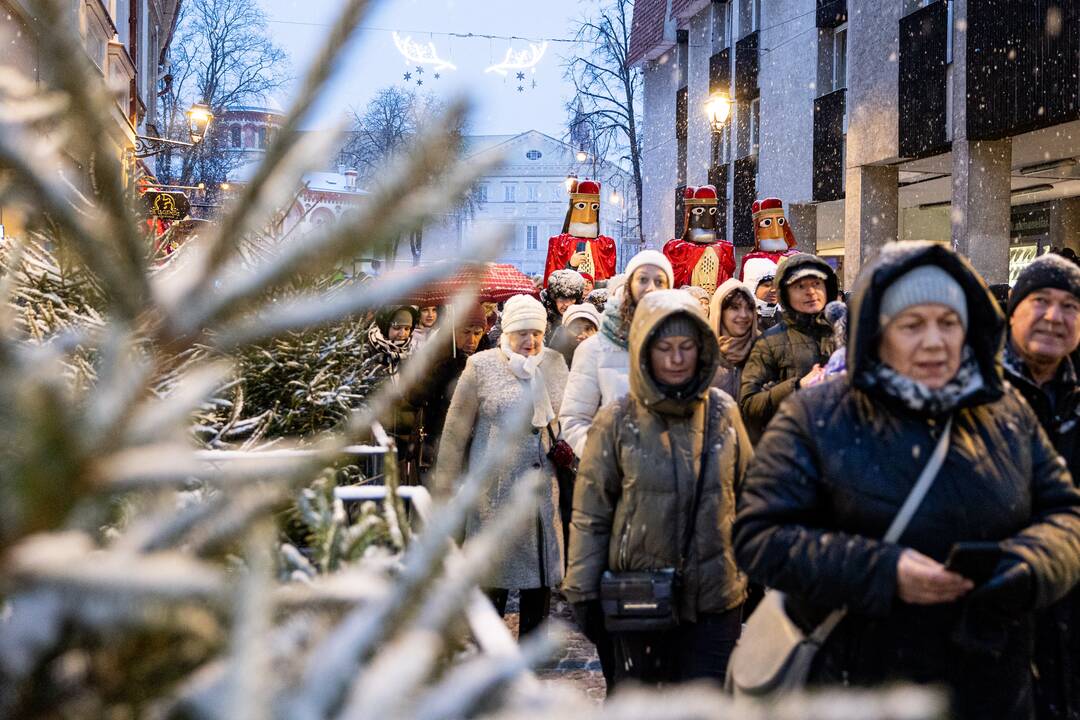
(419,54)
(519,59)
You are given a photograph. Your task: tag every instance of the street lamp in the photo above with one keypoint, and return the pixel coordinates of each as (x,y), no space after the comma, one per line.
(718,108)
(614,198)
(582,156)
(199,117)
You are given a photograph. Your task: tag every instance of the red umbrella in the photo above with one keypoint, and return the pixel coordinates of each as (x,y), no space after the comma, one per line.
(493,282)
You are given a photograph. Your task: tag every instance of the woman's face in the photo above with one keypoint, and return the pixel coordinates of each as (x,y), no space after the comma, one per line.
(924,343)
(526,342)
(428,316)
(646,279)
(581,329)
(401,326)
(738,317)
(673,360)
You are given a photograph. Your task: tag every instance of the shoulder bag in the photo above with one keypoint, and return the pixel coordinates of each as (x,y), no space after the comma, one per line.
(647,600)
(774,655)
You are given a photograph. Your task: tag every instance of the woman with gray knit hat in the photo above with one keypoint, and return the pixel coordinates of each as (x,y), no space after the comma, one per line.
(494,383)
(819,517)
(656,489)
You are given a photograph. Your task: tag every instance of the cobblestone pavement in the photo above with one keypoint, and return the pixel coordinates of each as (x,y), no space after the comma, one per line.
(578,667)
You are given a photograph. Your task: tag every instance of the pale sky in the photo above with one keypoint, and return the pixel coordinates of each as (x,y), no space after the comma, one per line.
(374,62)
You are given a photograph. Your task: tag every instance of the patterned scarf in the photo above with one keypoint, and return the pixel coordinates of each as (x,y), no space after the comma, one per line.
(394,352)
(919,398)
(614,326)
(527,368)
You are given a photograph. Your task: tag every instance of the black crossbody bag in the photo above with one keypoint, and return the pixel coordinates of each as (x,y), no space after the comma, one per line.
(648,600)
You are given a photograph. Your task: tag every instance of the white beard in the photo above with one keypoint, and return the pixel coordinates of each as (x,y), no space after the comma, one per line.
(583,230)
(773,245)
(697,235)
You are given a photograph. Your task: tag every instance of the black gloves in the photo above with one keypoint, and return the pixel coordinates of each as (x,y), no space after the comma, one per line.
(589,617)
(1010,590)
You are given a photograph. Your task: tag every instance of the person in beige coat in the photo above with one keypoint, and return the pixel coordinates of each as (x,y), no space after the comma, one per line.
(733,316)
(634,495)
(493,384)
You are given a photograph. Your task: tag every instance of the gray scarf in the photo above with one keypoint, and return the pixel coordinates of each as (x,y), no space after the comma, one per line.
(919,398)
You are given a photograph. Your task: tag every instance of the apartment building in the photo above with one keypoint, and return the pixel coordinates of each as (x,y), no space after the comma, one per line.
(954,121)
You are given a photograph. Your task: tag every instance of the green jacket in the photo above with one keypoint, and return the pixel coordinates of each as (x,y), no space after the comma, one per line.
(786,352)
(636,479)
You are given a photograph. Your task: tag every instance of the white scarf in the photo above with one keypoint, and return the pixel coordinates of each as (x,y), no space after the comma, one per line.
(528,368)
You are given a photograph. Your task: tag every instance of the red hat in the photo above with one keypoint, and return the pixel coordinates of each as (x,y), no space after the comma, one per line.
(590,189)
(704,195)
(766,204)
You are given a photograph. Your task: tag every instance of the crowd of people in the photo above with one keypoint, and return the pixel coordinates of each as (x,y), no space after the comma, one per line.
(705,446)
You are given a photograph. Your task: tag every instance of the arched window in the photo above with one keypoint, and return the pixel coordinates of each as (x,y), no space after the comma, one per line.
(534,155)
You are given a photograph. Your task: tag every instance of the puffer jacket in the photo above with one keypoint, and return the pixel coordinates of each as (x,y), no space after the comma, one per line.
(1057,629)
(600,374)
(834,467)
(786,352)
(636,480)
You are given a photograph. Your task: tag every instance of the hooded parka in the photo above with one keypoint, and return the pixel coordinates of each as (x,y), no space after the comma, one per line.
(785,353)
(833,469)
(636,479)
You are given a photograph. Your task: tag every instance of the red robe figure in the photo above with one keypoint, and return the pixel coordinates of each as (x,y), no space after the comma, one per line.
(581,247)
(773,239)
(700,257)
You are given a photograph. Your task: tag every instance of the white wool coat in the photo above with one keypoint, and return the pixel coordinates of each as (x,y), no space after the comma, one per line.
(484,400)
(600,375)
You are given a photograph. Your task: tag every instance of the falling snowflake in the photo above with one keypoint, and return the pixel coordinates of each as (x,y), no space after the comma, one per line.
(407,76)
(521,76)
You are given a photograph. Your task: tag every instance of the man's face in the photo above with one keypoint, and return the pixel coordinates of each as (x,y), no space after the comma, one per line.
(562,304)
(401,326)
(807,295)
(766,292)
(468,338)
(1044,325)
(584,218)
(701,223)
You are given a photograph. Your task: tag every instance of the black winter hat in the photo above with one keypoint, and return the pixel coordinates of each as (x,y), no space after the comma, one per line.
(1047,271)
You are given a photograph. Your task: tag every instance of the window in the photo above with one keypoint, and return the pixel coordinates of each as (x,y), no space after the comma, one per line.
(261,133)
(721,17)
(481,193)
(234,136)
(534,192)
(755,22)
(839,63)
(755,125)
(534,154)
(530,237)
(509,193)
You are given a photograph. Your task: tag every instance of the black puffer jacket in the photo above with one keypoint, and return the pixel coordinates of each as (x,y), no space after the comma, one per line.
(1057,629)
(787,351)
(834,467)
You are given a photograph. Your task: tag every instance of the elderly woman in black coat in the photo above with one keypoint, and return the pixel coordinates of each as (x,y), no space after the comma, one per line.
(839,459)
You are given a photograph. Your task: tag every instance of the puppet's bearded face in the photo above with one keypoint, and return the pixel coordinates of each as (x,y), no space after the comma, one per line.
(584,218)
(701,223)
(769,231)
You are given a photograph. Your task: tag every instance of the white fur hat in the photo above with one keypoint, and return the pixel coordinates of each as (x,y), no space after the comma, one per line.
(523,312)
(651,257)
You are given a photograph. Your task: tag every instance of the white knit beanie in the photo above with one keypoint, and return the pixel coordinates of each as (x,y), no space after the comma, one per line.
(651,257)
(585,311)
(523,312)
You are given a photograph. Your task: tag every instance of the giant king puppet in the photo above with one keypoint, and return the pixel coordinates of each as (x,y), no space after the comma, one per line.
(773,240)
(581,247)
(700,257)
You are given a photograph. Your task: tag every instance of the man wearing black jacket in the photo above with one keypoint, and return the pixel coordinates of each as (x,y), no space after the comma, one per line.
(1044,331)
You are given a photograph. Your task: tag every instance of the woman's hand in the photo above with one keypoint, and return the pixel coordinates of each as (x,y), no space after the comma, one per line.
(923,581)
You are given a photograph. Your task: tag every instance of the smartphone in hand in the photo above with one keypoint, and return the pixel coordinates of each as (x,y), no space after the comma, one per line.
(580,246)
(976,561)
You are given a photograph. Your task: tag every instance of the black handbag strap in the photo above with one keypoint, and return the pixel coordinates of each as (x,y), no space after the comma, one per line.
(688,536)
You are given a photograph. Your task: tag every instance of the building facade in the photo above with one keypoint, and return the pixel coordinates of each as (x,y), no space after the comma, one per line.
(527,195)
(953,121)
(126,41)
